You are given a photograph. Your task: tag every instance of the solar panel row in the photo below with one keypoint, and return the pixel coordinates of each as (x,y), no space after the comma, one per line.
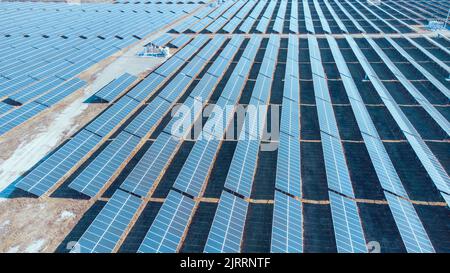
(103,235)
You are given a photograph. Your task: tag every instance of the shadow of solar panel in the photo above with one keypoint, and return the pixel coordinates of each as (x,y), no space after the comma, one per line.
(108,227)
(151,165)
(165,234)
(227,229)
(411,229)
(54,168)
(347,225)
(94,177)
(287,234)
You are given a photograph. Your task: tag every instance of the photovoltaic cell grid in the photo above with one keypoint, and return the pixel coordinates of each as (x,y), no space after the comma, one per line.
(169,225)
(106,230)
(287,235)
(227,229)
(316,16)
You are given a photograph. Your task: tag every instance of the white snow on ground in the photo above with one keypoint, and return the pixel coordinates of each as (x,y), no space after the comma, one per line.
(66,215)
(29,153)
(13,249)
(35,246)
(4,225)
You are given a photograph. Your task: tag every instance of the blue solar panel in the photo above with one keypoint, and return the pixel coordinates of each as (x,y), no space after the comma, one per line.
(176,87)
(4,108)
(59,93)
(165,234)
(347,225)
(290,118)
(37,89)
(336,168)
(19,116)
(327,121)
(162,40)
(94,177)
(180,41)
(146,87)
(196,169)
(287,229)
(105,232)
(243,166)
(114,115)
(227,228)
(288,178)
(113,89)
(408,222)
(58,165)
(150,167)
(147,120)
(170,66)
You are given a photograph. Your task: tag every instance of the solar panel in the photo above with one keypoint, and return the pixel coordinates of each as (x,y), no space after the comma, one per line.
(290,122)
(162,40)
(112,90)
(165,233)
(147,120)
(183,119)
(327,121)
(196,169)
(151,166)
(105,122)
(413,233)
(322,18)
(347,225)
(434,114)
(105,232)
(19,116)
(227,228)
(291,89)
(288,177)
(287,229)
(95,176)
(308,17)
(36,89)
(243,166)
(58,164)
(146,87)
(180,41)
(4,108)
(336,168)
(175,88)
(170,66)
(61,92)
(335,16)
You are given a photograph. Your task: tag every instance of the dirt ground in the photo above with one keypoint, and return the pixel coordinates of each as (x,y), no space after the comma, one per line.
(52,221)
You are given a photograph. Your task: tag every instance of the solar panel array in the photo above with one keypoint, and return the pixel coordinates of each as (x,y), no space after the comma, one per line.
(360,154)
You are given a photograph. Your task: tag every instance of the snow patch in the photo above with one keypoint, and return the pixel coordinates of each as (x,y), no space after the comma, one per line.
(13,249)
(65,215)
(30,152)
(35,247)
